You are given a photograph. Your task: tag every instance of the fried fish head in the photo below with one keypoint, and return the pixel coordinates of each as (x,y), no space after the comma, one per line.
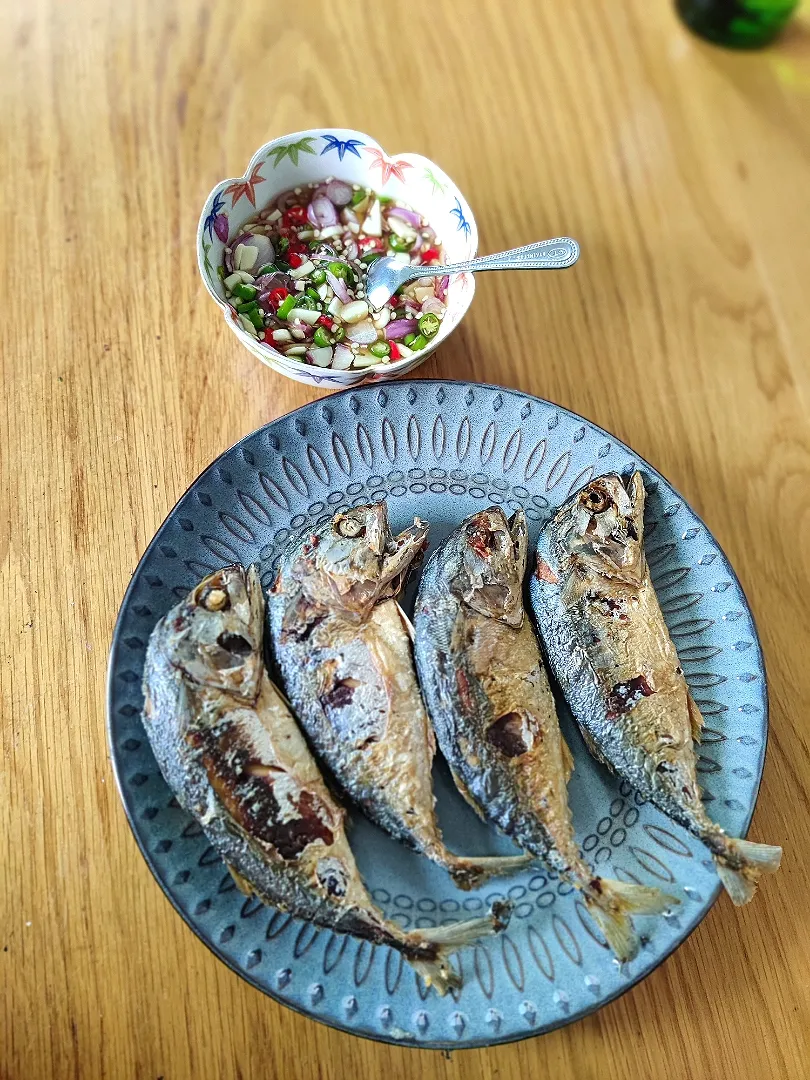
(355,561)
(493,564)
(215,638)
(602,528)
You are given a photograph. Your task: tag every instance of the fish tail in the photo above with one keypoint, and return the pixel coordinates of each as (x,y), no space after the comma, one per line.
(611,903)
(469,873)
(740,865)
(436,971)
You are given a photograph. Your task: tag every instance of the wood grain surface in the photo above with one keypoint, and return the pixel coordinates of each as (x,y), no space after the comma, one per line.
(684,170)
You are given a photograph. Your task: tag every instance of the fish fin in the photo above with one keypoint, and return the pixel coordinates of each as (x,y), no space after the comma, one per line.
(406,622)
(300,613)
(594,750)
(469,873)
(519,532)
(638,496)
(276,689)
(741,882)
(464,791)
(256,602)
(567,759)
(611,906)
(573,589)
(695,717)
(438,972)
(241,882)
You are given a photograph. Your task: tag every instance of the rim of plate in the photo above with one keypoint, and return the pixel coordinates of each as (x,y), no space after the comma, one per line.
(427,1044)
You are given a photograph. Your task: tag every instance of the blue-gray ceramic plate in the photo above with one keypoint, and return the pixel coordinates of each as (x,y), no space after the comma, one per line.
(443,450)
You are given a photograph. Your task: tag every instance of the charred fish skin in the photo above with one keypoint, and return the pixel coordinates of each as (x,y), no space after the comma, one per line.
(233,754)
(610,650)
(494,714)
(342,646)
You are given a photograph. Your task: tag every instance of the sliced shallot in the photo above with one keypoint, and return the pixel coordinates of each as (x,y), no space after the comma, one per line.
(410,216)
(322,213)
(339,192)
(399,328)
(338,286)
(433,306)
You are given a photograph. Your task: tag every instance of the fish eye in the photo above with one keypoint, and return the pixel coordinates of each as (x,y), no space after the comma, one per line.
(234,644)
(596,500)
(213,598)
(349,528)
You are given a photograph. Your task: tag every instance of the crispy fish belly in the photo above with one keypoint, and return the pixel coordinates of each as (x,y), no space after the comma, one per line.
(493,711)
(343,647)
(232,752)
(609,648)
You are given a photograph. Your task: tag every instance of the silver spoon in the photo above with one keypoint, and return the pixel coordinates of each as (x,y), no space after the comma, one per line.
(386,274)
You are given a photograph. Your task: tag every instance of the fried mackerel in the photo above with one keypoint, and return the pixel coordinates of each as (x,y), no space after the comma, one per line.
(343,647)
(610,650)
(491,705)
(231,751)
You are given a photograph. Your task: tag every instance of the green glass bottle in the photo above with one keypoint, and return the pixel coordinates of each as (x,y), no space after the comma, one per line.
(742,24)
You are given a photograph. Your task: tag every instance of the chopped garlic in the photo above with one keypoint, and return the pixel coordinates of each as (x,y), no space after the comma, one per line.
(402,228)
(421,294)
(305,268)
(321,357)
(307,315)
(372,226)
(282,335)
(365,360)
(245,256)
(342,358)
(354,311)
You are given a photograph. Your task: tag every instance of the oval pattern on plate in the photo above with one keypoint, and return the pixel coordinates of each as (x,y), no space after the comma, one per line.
(511,450)
(474,445)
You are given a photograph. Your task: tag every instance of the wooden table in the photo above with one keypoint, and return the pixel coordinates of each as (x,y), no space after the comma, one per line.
(684,170)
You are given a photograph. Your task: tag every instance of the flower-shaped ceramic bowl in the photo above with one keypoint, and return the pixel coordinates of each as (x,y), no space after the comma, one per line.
(306,156)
